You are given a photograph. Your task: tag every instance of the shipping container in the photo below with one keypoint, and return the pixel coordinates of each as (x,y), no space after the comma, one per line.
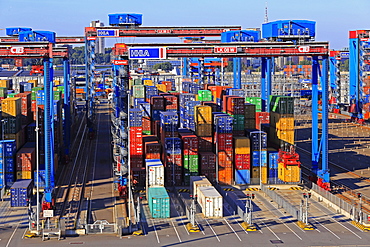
(282,121)
(11,107)
(241,145)
(255,101)
(159,202)
(204,95)
(203,130)
(258,139)
(155,173)
(242,176)
(205,143)
(203,114)
(290,174)
(21,192)
(242,161)
(282,104)
(190,143)
(225,175)
(198,181)
(25,159)
(257,156)
(210,201)
(273,158)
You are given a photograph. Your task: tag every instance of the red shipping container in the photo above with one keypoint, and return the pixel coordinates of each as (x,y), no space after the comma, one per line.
(33,105)
(225,175)
(146,124)
(136,141)
(171,102)
(25,102)
(136,160)
(224,141)
(168,85)
(242,161)
(233,105)
(207,160)
(190,143)
(152,150)
(25,159)
(205,144)
(138,176)
(157,103)
(262,118)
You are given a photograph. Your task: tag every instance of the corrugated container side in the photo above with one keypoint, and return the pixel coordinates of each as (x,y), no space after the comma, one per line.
(210,201)
(159,202)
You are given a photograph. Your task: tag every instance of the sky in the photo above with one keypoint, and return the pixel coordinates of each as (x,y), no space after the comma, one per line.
(334,18)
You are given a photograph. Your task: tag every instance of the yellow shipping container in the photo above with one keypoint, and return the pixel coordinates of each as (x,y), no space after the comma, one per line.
(242,145)
(203,114)
(148,82)
(264,175)
(11,107)
(286,135)
(56,82)
(24,175)
(5,83)
(161,87)
(34,82)
(204,130)
(291,174)
(282,121)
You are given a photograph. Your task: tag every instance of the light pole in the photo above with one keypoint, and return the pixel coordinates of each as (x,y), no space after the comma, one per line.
(359,195)
(3,122)
(260,148)
(37,172)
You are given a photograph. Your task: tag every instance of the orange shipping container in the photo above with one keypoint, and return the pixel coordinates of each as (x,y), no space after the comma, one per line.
(203,114)
(225,175)
(25,159)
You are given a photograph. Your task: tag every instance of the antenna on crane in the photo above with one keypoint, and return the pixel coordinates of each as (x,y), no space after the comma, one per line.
(266,16)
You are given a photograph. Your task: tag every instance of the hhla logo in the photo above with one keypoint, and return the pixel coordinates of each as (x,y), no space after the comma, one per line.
(139,53)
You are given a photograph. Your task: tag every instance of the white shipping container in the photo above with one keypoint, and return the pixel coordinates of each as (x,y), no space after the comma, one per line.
(154,173)
(198,181)
(210,201)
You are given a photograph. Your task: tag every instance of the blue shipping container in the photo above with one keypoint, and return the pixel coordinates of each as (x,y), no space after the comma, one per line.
(169,118)
(257,155)
(186,97)
(190,105)
(223,123)
(9,148)
(20,193)
(40,97)
(42,178)
(235,92)
(136,117)
(145,107)
(273,159)
(172,144)
(242,176)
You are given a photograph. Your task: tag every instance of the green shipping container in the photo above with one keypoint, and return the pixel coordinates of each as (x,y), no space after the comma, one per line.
(60,88)
(191,163)
(238,123)
(159,202)
(138,82)
(138,91)
(255,101)
(204,95)
(12,95)
(34,92)
(147,132)
(57,95)
(3,92)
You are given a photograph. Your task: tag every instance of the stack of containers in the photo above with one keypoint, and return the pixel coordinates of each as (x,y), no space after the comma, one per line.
(223,140)
(207,165)
(26,113)
(138,92)
(6,83)
(21,193)
(203,120)
(136,140)
(171,103)
(204,95)
(183,98)
(156,105)
(249,116)
(234,106)
(258,141)
(173,161)
(190,114)
(281,120)
(169,125)
(162,88)
(25,163)
(218,92)
(11,114)
(34,100)
(7,165)
(255,101)
(157,196)
(190,153)
(194,88)
(235,92)
(242,160)
(273,166)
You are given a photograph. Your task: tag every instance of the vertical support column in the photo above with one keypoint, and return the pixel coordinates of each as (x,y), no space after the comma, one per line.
(185,69)
(324,172)
(353,72)
(269,67)
(263,82)
(49,127)
(237,62)
(315,112)
(67,107)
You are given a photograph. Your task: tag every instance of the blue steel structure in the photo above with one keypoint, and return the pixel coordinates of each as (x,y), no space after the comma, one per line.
(359,49)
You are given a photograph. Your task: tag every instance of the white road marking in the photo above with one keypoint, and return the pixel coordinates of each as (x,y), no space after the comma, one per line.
(232,229)
(200,227)
(10,239)
(234,218)
(213,230)
(180,216)
(156,233)
(178,236)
